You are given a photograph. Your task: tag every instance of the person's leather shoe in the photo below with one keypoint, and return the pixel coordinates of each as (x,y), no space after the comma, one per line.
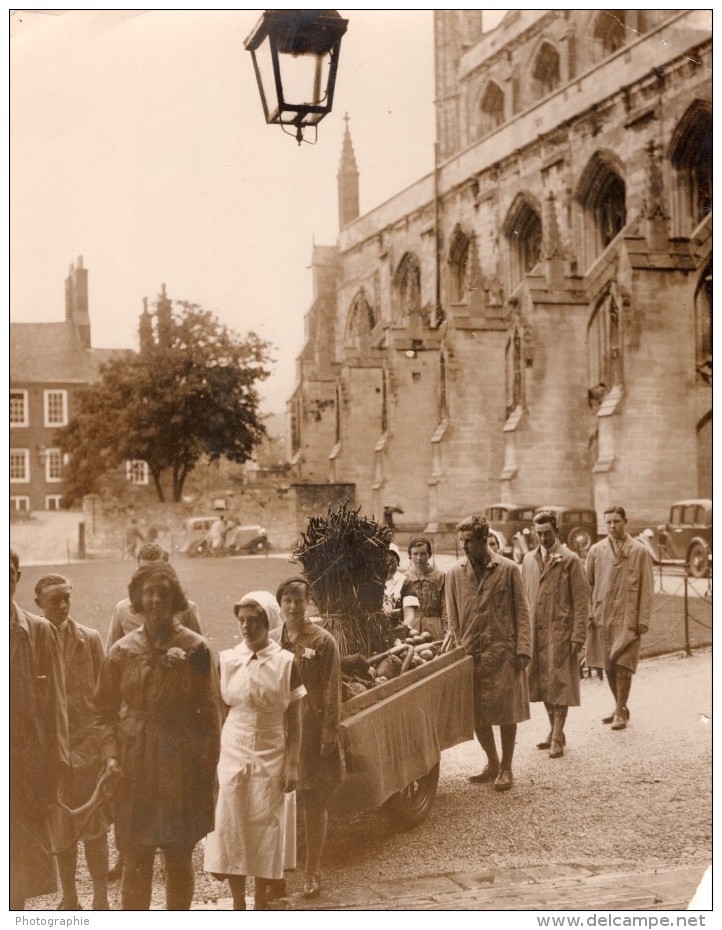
(545,743)
(276,888)
(557,749)
(619,722)
(504,780)
(610,718)
(488,774)
(312,885)
(69,905)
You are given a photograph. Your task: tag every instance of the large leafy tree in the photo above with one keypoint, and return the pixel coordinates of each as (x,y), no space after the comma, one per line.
(188,394)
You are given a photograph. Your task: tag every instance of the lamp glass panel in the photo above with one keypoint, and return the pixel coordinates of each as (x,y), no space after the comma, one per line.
(264,63)
(304,79)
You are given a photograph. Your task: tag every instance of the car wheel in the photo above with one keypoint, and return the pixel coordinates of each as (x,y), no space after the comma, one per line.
(579,540)
(411,806)
(260,545)
(698,560)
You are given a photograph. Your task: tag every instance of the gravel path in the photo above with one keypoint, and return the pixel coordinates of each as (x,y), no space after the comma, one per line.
(634,799)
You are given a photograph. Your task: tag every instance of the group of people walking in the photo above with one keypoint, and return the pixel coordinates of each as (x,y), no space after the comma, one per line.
(153,735)
(526,629)
(147,734)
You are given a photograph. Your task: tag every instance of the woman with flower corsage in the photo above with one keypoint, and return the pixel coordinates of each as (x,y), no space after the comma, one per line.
(321,762)
(261,686)
(158,709)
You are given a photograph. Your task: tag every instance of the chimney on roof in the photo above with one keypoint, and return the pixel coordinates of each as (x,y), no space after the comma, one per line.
(76,302)
(145,330)
(163,311)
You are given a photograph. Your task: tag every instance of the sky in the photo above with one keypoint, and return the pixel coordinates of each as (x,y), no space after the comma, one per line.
(138,141)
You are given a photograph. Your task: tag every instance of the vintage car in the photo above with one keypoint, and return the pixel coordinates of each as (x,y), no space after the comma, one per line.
(239,538)
(576,527)
(685,539)
(508,520)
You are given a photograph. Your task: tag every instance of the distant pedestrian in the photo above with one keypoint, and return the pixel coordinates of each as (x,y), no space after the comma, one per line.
(133,537)
(217,535)
(82,652)
(394,582)
(427,584)
(39,755)
(558,595)
(488,612)
(619,570)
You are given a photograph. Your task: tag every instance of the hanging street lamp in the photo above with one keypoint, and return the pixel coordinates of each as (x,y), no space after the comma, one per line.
(295,57)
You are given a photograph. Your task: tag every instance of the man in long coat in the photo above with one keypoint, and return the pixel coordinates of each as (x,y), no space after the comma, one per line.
(558,594)
(38,747)
(82,652)
(619,570)
(487,610)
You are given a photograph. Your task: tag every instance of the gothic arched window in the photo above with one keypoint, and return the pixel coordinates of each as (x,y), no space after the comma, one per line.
(408,285)
(545,72)
(491,109)
(703,327)
(604,346)
(609,33)
(458,263)
(602,195)
(523,231)
(361,319)
(514,372)
(691,155)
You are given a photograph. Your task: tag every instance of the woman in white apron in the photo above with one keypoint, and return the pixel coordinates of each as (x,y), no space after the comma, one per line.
(261,685)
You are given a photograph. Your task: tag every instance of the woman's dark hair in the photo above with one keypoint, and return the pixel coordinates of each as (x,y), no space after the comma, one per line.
(152,571)
(421,541)
(617,508)
(289,582)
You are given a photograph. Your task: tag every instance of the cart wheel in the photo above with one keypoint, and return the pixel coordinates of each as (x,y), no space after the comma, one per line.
(411,806)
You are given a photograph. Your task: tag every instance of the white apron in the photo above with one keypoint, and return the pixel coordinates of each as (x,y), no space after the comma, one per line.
(250,835)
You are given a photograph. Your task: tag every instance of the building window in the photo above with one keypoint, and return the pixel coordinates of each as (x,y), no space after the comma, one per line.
(408,285)
(52,501)
(604,348)
(361,319)
(53,465)
(514,373)
(491,109)
(443,413)
(19,465)
(609,33)
(691,155)
(136,471)
(56,408)
(703,313)
(602,194)
(19,503)
(523,231)
(545,72)
(295,412)
(458,266)
(18,408)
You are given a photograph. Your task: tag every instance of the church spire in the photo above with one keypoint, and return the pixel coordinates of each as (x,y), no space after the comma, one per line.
(348,188)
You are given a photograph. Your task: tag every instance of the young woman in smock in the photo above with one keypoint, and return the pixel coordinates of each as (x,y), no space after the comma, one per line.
(261,685)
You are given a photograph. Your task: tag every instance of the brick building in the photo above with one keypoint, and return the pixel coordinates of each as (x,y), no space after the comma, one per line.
(49,363)
(532,320)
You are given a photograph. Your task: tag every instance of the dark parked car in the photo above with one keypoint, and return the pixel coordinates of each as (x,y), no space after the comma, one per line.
(685,539)
(576,527)
(239,538)
(509,520)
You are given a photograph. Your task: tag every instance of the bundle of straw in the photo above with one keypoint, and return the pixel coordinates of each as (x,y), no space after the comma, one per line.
(343,555)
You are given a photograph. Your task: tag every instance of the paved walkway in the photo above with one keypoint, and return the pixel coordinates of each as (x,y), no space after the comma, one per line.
(539,888)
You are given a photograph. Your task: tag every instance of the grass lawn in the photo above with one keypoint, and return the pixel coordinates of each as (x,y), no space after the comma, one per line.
(214,584)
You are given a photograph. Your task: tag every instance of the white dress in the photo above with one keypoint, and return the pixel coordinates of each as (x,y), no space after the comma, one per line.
(250,824)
